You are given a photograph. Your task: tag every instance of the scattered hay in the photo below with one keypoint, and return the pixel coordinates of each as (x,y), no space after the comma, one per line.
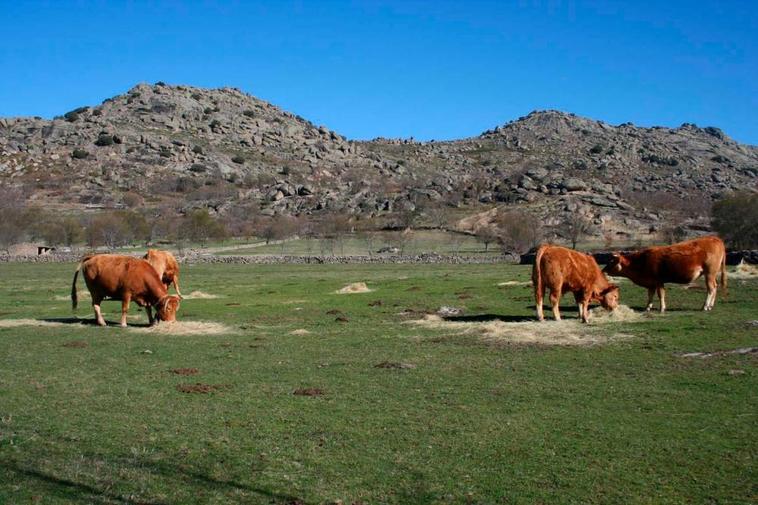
(622,314)
(185,371)
(185,328)
(515,283)
(76,344)
(740,350)
(82,295)
(300,331)
(446,311)
(394,365)
(356,287)
(200,295)
(568,332)
(744,271)
(201,388)
(309,392)
(16,323)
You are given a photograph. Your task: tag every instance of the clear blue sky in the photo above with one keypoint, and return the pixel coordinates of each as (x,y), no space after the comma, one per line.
(437,69)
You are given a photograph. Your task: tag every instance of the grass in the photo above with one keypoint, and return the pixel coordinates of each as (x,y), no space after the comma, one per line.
(102,421)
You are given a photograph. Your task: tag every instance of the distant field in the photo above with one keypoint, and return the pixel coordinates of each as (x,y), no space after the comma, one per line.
(456,413)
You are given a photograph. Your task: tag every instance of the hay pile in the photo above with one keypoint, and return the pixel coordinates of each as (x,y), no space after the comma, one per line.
(744,271)
(356,287)
(200,295)
(185,328)
(568,332)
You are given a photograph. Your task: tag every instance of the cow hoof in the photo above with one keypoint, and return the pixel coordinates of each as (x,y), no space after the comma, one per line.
(123,325)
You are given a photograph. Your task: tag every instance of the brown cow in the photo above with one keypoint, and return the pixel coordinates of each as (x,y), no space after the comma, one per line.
(561,269)
(167,267)
(125,278)
(680,263)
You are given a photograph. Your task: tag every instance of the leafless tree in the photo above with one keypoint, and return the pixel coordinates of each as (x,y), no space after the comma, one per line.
(576,226)
(517,231)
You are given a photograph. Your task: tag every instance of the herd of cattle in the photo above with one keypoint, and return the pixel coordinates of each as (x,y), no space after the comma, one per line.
(146,281)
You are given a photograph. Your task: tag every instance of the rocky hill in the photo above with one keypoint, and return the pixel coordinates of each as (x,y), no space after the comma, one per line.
(184,147)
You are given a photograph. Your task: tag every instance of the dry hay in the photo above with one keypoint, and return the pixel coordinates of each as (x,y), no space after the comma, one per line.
(356,287)
(199,295)
(744,271)
(515,283)
(185,328)
(568,332)
(17,323)
(81,294)
(300,331)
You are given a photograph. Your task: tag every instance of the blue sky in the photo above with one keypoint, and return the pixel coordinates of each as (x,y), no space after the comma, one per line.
(433,70)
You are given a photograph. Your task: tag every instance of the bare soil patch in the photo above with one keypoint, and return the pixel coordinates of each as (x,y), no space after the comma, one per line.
(356,287)
(568,332)
(395,365)
(300,331)
(76,344)
(185,371)
(309,392)
(201,388)
(375,303)
(341,319)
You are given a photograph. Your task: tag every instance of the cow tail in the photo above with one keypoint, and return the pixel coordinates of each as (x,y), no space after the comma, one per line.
(74,295)
(537,279)
(724,289)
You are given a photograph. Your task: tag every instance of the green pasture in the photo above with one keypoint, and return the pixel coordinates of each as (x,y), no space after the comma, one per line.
(98,415)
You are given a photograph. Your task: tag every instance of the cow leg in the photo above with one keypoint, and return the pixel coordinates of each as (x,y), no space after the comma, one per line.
(711,284)
(539,295)
(96,306)
(176,286)
(149,311)
(650,295)
(662,297)
(555,300)
(125,309)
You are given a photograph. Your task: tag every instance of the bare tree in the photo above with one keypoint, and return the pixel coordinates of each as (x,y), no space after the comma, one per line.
(576,226)
(517,231)
(486,235)
(735,218)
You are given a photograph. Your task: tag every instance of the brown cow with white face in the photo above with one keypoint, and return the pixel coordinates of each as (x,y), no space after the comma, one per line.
(680,263)
(125,278)
(167,267)
(560,269)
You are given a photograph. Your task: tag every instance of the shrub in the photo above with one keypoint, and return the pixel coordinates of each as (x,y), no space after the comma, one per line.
(79,154)
(215,124)
(596,149)
(196,96)
(104,140)
(208,110)
(238,159)
(73,115)
(249,113)
(197,150)
(734,218)
(197,168)
(517,231)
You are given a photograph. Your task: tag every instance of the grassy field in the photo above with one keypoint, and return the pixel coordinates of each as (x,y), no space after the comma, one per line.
(98,415)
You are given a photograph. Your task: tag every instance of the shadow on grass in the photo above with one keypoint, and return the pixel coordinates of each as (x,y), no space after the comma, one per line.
(483,318)
(88,322)
(195,482)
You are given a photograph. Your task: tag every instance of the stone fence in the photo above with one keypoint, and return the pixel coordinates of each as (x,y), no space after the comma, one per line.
(732,257)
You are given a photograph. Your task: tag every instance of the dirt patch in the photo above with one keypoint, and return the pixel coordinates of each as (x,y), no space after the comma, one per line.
(76,344)
(300,331)
(200,295)
(342,319)
(395,365)
(356,287)
(15,323)
(185,371)
(515,283)
(568,332)
(744,271)
(185,328)
(413,288)
(233,304)
(741,350)
(309,392)
(375,303)
(333,312)
(201,388)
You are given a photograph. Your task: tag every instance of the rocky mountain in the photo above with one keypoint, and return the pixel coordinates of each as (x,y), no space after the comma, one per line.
(184,147)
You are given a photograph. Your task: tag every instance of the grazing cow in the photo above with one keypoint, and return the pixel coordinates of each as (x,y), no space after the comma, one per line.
(125,278)
(560,269)
(167,267)
(680,263)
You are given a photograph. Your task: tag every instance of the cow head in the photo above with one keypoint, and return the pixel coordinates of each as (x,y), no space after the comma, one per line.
(165,309)
(609,297)
(616,264)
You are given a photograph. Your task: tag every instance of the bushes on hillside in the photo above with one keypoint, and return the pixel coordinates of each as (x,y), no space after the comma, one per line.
(735,219)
